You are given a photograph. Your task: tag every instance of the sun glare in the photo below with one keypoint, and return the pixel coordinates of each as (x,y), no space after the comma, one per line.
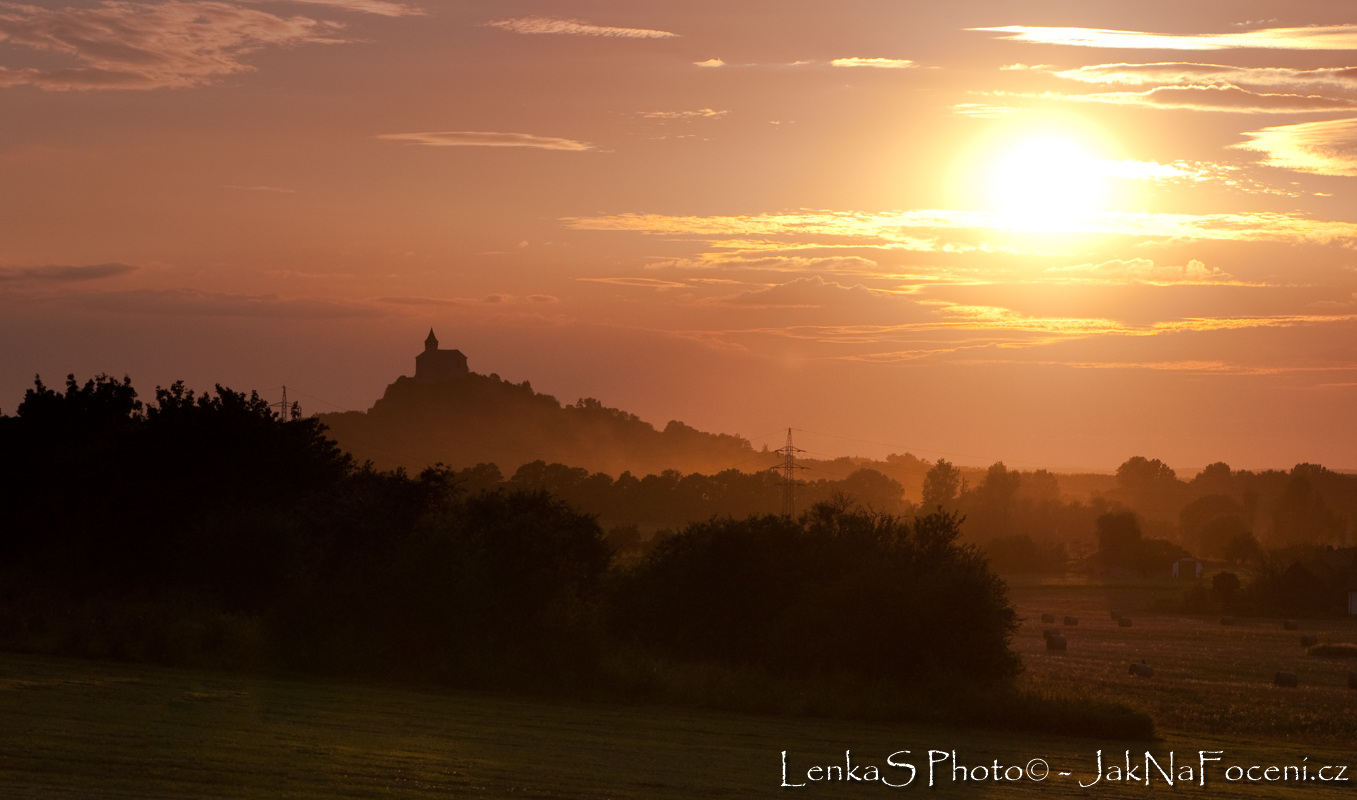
(1046,182)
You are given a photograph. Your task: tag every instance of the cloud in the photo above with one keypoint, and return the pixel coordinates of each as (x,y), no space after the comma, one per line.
(1328,147)
(917,227)
(648,283)
(194,303)
(849,264)
(1226,98)
(879,63)
(1139,270)
(711,62)
(984,110)
(490,299)
(1320,37)
(132,45)
(700,113)
(574,27)
(378,7)
(486,139)
(1178,72)
(543,298)
(810,292)
(63,274)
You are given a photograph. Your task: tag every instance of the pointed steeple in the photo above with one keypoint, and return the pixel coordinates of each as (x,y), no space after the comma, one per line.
(431,343)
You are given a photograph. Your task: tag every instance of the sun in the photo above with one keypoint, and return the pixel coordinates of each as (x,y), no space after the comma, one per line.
(1046,182)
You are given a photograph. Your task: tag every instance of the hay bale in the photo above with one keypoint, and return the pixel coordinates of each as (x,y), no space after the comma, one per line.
(1056,643)
(1071,620)
(1049,632)
(1334,650)
(1124,622)
(1227,620)
(1116,614)
(1142,670)
(1285,679)
(1290,625)
(1309,641)
(1352,680)
(1048,619)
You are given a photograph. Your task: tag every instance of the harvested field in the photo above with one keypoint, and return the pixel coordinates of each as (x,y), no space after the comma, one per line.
(1208,678)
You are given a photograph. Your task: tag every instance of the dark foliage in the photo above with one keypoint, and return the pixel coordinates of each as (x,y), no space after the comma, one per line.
(839,590)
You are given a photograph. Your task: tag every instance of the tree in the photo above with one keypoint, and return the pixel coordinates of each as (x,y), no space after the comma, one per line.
(941,485)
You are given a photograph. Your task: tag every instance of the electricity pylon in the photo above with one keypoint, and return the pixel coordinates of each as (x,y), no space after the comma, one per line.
(789,468)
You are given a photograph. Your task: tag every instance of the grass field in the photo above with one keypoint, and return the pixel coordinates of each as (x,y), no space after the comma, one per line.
(81,729)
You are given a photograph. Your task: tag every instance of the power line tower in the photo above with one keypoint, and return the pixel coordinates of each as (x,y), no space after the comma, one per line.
(789,468)
(287,413)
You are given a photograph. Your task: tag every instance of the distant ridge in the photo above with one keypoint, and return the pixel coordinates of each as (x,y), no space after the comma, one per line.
(448,414)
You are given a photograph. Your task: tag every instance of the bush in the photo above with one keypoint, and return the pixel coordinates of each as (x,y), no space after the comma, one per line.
(839,591)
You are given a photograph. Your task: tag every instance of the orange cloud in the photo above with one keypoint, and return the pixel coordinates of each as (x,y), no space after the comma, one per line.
(1205,98)
(1319,37)
(574,27)
(1191,73)
(129,45)
(486,139)
(1328,147)
(879,63)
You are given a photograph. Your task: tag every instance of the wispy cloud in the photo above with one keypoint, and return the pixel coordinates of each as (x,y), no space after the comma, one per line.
(926,225)
(1139,270)
(379,7)
(486,139)
(54,273)
(1226,98)
(131,45)
(574,27)
(984,110)
(1320,37)
(711,62)
(1328,147)
(647,283)
(1178,72)
(879,63)
(700,113)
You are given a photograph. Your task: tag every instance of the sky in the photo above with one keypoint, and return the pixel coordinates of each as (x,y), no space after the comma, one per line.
(1057,234)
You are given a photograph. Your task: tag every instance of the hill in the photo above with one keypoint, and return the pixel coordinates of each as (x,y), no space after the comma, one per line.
(448,414)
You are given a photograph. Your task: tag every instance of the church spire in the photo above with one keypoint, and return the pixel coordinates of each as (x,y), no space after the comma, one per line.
(431,343)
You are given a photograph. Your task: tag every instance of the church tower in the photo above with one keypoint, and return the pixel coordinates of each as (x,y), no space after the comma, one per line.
(439,366)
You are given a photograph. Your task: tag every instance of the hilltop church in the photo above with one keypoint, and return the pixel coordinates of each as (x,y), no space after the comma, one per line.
(439,366)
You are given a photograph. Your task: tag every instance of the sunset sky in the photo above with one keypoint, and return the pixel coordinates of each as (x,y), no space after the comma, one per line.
(1058,234)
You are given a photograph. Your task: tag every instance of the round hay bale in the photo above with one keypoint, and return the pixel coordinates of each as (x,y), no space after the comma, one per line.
(1071,620)
(1048,619)
(1056,643)
(1142,670)
(1124,622)
(1116,614)
(1285,679)
(1227,620)
(1352,680)
(1290,625)
(1309,641)
(1049,632)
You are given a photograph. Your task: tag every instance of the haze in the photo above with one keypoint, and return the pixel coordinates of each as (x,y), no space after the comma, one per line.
(1056,234)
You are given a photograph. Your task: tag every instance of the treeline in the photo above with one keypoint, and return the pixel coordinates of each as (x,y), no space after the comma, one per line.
(206,530)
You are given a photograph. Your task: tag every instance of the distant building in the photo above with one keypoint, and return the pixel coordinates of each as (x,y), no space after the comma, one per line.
(439,366)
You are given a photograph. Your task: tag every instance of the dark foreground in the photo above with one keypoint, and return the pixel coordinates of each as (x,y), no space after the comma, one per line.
(77,728)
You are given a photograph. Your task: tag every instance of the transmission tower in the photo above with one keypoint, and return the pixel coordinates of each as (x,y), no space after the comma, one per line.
(789,468)
(286,412)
